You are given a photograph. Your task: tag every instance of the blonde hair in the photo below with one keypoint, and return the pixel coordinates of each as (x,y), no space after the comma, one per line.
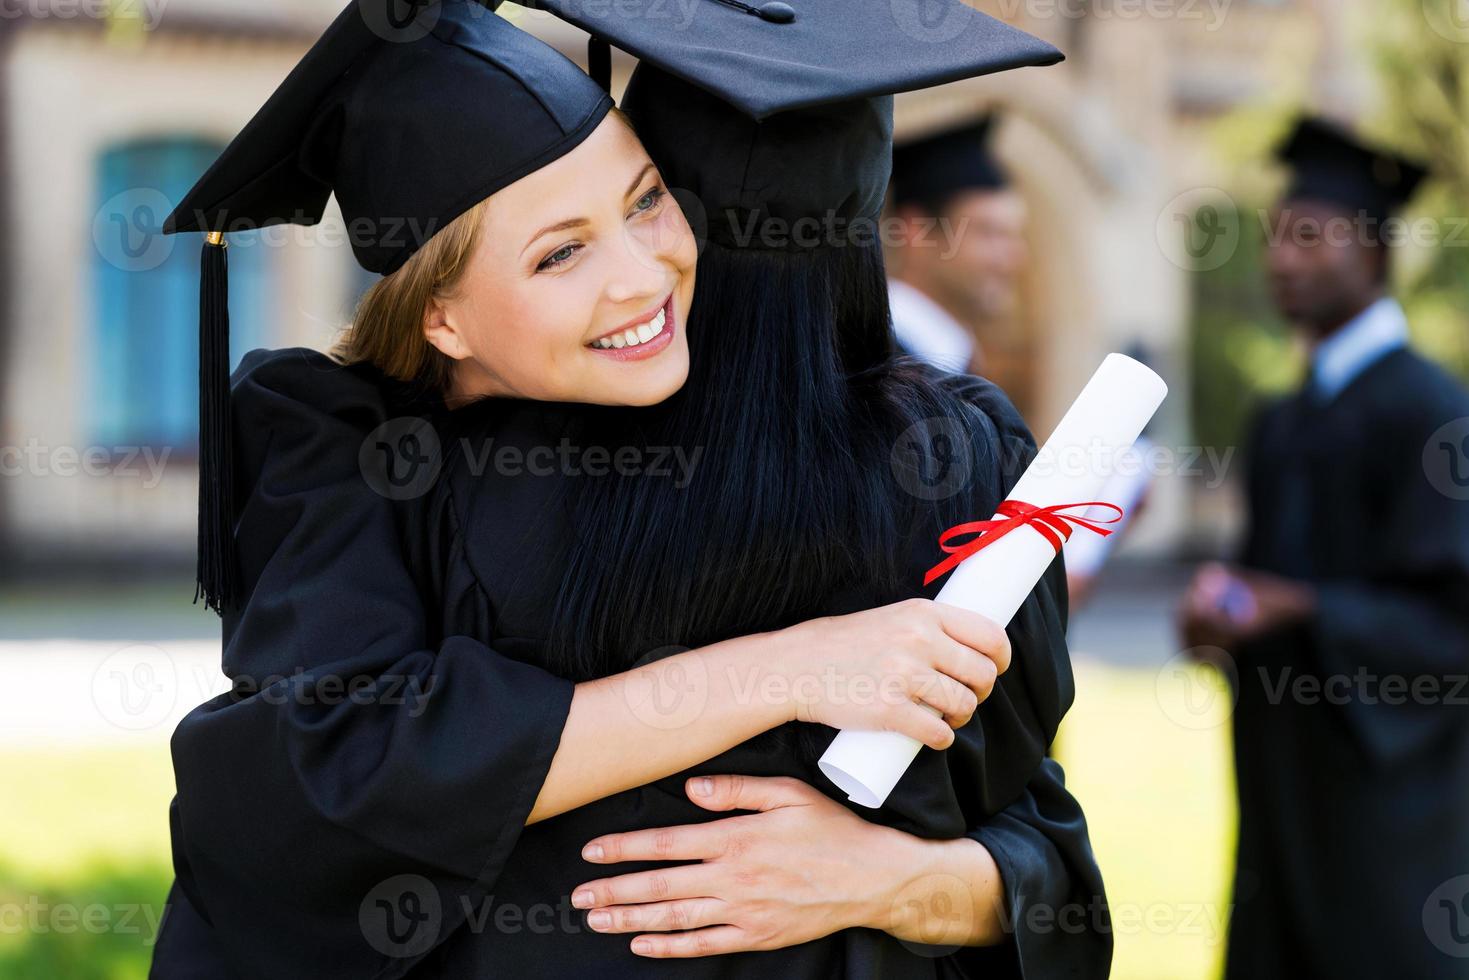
(387,326)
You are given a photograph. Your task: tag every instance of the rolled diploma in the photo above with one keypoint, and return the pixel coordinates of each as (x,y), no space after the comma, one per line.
(1072,467)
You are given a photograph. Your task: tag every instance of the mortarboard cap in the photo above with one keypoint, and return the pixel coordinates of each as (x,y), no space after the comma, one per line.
(410,122)
(784,110)
(932,170)
(1328,163)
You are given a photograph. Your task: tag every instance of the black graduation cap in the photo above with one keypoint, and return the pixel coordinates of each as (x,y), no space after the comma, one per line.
(933,169)
(1329,163)
(784,110)
(411,114)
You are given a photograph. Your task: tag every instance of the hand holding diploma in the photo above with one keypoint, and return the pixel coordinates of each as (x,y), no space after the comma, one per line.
(1001,559)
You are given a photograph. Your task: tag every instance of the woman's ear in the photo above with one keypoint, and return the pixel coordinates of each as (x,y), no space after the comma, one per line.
(439,330)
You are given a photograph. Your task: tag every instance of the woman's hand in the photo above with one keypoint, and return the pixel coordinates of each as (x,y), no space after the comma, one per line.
(876,669)
(786,875)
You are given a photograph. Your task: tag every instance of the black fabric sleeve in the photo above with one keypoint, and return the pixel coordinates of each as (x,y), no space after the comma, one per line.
(1055,908)
(995,784)
(360,788)
(1400,630)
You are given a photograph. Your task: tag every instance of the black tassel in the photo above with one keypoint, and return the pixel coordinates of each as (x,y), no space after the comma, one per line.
(599,63)
(215,574)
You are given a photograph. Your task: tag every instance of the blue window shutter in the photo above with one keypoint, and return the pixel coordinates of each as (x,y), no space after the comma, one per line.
(145,360)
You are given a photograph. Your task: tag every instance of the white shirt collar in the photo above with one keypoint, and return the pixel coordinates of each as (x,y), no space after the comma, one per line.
(926,329)
(1337,360)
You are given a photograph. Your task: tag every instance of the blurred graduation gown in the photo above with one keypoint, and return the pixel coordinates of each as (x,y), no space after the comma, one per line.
(1352,813)
(294,810)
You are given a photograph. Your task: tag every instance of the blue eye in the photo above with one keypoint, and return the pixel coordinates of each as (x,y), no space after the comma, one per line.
(650,200)
(559,256)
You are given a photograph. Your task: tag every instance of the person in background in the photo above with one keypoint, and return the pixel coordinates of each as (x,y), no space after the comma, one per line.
(961,244)
(1347,618)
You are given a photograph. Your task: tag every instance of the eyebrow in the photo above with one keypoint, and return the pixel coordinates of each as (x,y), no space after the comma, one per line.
(576,222)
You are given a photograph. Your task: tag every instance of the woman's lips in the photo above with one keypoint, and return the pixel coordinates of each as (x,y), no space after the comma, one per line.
(658,331)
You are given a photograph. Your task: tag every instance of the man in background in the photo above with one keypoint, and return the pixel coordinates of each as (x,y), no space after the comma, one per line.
(1347,618)
(961,246)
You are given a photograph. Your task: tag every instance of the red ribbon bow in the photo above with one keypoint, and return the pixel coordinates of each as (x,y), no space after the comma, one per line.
(1053,525)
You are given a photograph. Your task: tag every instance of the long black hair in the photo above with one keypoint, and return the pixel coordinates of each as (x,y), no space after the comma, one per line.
(794,403)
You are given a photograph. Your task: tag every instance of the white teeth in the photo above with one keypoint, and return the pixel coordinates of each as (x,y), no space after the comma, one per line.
(633,336)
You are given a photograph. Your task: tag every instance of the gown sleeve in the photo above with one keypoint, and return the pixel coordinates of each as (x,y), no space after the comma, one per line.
(363,783)
(1055,908)
(995,784)
(1406,618)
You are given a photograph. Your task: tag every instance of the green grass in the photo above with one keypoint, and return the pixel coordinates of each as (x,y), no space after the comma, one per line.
(1156,782)
(84,859)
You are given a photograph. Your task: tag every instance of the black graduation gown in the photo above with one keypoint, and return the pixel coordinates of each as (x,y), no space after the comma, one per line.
(1353,809)
(383,837)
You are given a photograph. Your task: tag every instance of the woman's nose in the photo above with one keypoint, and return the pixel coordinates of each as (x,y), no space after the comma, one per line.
(641,272)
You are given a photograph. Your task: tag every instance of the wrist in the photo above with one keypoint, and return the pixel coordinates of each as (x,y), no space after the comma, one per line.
(945,893)
(754,668)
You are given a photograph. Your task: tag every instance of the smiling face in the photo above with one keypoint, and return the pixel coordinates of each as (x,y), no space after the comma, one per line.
(579,287)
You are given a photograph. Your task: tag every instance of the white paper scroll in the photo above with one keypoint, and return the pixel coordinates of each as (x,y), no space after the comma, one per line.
(1073,466)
